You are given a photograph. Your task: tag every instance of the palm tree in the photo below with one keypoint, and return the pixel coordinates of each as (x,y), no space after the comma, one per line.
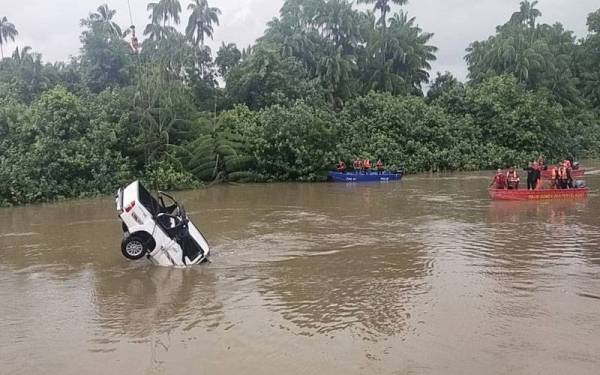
(384,7)
(335,69)
(156,32)
(7,31)
(527,14)
(103,17)
(201,20)
(340,23)
(164,11)
(23,56)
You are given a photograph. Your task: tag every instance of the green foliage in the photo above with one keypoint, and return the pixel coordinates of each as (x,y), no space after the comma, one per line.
(106,59)
(266,78)
(588,61)
(540,56)
(326,81)
(216,152)
(295,143)
(228,56)
(57,148)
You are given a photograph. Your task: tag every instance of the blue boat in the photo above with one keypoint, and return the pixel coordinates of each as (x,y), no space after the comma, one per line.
(365,177)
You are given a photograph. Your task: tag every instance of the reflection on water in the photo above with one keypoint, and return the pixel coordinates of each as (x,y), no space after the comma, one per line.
(424,276)
(156,300)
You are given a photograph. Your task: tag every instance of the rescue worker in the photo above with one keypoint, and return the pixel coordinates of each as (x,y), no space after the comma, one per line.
(357,165)
(542,163)
(367,166)
(341,166)
(379,166)
(135,44)
(554,178)
(569,166)
(534,175)
(499,180)
(563,176)
(512,178)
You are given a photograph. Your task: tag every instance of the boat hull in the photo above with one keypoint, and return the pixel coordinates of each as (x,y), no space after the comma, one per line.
(535,195)
(362,177)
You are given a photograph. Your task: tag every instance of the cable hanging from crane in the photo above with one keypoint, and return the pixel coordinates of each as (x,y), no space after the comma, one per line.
(135,44)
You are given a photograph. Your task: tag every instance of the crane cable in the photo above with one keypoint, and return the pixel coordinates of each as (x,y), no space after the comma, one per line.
(130,16)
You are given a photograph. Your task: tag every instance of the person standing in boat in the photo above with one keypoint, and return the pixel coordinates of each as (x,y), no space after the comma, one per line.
(554,177)
(379,166)
(569,166)
(499,180)
(562,176)
(367,166)
(542,163)
(341,166)
(357,165)
(534,175)
(512,178)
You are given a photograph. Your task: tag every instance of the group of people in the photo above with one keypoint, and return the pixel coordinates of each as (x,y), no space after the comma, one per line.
(359,166)
(560,176)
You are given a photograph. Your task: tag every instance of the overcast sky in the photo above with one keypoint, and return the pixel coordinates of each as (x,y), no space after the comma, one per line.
(52,27)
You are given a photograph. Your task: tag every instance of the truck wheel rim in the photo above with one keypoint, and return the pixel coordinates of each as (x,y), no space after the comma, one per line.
(134,248)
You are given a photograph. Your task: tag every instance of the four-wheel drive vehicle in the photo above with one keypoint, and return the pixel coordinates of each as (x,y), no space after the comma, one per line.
(160,231)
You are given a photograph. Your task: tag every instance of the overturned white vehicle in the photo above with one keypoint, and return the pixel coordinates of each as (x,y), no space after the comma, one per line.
(161,232)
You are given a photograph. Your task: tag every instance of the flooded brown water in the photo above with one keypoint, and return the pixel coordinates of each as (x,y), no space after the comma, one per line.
(426,276)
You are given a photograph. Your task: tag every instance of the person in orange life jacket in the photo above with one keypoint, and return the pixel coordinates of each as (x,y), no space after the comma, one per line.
(569,166)
(534,175)
(512,178)
(341,167)
(563,175)
(367,165)
(554,178)
(357,165)
(499,179)
(379,166)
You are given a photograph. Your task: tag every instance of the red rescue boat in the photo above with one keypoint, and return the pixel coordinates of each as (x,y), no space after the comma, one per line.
(534,195)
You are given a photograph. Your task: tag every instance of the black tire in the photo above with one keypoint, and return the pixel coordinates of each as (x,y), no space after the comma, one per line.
(133,247)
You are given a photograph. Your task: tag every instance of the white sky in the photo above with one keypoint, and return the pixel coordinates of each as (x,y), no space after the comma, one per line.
(52,27)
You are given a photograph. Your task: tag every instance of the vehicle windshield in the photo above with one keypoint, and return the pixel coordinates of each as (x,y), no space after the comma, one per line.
(148,201)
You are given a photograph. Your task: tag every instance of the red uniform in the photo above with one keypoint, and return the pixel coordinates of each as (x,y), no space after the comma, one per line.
(357,165)
(367,165)
(500,180)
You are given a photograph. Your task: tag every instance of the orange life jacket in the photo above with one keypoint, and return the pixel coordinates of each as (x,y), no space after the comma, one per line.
(562,173)
(512,176)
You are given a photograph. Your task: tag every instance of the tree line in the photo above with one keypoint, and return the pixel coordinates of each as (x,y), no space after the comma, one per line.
(326,80)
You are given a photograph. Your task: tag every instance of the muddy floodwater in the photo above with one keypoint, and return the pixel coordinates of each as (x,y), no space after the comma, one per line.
(425,276)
